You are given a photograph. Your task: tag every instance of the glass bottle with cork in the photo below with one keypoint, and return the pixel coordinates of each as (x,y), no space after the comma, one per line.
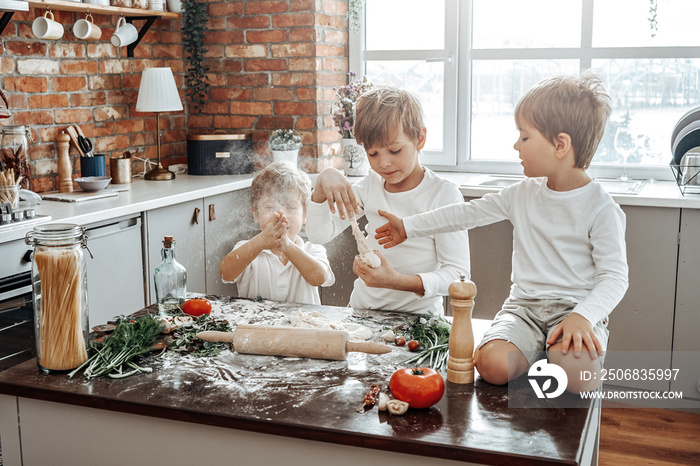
(170,279)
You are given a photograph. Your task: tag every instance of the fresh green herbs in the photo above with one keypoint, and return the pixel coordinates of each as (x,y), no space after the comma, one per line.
(115,356)
(183,339)
(433,334)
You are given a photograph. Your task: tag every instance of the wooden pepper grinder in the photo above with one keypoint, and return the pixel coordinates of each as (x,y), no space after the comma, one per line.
(460,363)
(65,170)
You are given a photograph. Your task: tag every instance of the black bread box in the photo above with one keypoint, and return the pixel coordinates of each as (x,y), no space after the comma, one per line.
(219,154)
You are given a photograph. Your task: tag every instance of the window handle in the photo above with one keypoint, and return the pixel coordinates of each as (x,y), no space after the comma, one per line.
(439,60)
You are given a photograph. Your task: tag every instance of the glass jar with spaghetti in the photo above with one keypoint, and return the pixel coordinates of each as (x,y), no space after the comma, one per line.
(59,289)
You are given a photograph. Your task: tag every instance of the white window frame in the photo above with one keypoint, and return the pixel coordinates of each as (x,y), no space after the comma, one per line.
(448,56)
(458,85)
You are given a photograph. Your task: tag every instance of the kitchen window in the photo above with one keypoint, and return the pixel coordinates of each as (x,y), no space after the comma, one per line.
(470,61)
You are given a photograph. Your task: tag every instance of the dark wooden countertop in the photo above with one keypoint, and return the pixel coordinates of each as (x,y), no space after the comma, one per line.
(317,399)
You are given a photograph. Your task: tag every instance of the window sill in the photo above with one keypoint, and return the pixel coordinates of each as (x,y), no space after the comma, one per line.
(657,194)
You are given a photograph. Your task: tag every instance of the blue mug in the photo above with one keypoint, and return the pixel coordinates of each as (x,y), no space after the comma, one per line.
(93,166)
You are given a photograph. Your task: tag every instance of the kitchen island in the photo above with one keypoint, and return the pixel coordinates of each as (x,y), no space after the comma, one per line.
(258,410)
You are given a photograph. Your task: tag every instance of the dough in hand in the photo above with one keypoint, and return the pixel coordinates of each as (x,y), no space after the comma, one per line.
(371,259)
(366,254)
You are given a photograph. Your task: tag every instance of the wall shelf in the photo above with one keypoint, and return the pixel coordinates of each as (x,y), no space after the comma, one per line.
(59,5)
(8,7)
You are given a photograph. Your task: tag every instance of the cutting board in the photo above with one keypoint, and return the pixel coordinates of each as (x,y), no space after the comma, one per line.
(81,196)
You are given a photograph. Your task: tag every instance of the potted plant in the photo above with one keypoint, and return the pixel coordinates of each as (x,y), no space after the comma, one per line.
(354,156)
(285,144)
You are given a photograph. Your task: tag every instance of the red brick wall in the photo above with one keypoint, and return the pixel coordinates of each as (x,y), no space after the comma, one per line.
(51,84)
(273,64)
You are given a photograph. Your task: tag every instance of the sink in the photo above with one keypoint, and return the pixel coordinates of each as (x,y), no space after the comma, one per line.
(502,182)
(622,187)
(612,186)
(495,181)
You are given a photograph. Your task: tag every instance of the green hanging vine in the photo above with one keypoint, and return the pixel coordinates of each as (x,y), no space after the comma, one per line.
(653,23)
(355,14)
(194,20)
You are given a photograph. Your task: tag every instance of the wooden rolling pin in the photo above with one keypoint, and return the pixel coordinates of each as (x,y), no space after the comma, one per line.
(294,342)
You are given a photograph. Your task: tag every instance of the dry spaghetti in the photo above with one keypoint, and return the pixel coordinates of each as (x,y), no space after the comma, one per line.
(62,340)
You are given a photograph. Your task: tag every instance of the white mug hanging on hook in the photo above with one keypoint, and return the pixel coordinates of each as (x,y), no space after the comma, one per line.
(125,34)
(44,27)
(86,29)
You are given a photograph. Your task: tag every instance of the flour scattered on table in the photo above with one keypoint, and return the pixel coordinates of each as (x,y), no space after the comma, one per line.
(315,319)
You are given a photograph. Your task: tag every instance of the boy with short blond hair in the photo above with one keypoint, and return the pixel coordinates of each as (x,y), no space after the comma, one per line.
(569,256)
(414,277)
(277,264)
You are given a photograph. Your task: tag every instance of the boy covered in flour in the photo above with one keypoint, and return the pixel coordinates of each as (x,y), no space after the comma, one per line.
(569,260)
(414,277)
(276,263)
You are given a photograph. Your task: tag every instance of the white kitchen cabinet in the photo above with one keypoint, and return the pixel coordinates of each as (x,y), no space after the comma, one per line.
(205,230)
(686,335)
(491,252)
(115,272)
(643,321)
(184,222)
(227,220)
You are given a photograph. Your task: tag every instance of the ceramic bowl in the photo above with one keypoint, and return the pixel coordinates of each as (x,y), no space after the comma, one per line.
(93,183)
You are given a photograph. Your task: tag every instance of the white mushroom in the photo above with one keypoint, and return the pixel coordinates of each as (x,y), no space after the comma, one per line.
(397,407)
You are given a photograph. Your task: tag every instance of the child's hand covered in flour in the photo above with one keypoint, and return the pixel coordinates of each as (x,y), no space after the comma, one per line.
(274,232)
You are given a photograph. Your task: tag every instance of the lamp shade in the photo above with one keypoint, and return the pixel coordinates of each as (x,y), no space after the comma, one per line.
(158,91)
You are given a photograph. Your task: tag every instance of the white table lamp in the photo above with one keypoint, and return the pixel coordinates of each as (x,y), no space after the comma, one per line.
(158,93)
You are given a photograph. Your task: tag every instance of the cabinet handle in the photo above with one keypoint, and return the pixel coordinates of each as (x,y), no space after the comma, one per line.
(195,217)
(212,213)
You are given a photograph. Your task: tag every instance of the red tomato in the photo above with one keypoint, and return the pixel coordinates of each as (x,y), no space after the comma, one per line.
(196,307)
(419,387)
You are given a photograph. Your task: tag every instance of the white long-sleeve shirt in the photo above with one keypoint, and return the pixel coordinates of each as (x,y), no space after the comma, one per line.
(437,259)
(268,277)
(566,245)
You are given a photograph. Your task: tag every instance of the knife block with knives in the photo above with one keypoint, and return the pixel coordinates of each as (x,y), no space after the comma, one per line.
(294,342)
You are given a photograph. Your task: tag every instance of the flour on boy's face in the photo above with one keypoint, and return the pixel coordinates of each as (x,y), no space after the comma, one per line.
(398,162)
(289,204)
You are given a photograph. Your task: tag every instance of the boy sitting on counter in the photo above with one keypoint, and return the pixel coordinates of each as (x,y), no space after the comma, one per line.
(569,255)
(276,263)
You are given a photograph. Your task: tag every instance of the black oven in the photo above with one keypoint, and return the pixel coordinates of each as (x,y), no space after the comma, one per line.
(16,308)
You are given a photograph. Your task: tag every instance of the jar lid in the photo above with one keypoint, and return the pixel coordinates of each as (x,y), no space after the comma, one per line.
(56,234)
(14,129)
(219,137)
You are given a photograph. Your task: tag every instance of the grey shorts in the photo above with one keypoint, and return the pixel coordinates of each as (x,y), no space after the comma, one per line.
(528,323)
